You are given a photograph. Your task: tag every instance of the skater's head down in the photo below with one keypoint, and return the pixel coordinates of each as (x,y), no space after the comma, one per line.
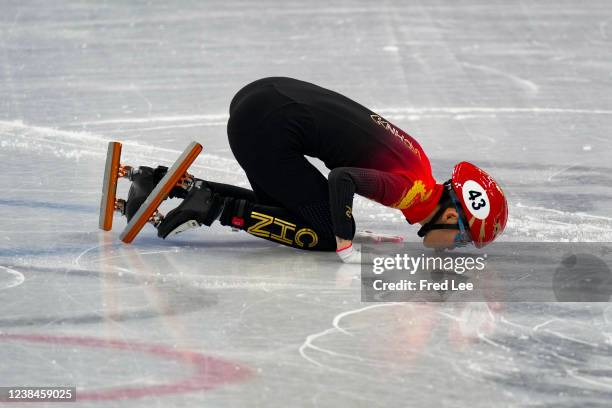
(472,209)
(442,229)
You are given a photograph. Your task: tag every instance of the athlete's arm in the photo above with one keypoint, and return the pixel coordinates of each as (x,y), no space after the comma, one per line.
(344,182)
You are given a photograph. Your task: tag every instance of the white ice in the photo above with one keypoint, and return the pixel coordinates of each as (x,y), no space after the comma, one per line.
(522,88)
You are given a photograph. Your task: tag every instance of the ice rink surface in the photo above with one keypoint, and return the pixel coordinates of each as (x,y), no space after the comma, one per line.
(221,319)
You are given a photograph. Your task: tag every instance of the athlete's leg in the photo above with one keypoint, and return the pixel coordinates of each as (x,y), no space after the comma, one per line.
(300,219)
(227,190)
(272,158)
(202,206)
(261,197)
(262,216)
(276,224)
(256,195)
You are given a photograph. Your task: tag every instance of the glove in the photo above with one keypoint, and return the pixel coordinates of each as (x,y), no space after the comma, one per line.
(349,254)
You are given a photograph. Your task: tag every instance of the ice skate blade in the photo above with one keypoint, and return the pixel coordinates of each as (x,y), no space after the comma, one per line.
(160,192)
(109,186)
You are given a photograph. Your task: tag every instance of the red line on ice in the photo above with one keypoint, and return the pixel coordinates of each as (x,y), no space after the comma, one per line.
(209,372)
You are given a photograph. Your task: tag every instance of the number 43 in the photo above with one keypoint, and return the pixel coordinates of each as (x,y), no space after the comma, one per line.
(476,205)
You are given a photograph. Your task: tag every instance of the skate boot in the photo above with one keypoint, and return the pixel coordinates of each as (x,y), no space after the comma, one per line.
(144,179)
(200,207)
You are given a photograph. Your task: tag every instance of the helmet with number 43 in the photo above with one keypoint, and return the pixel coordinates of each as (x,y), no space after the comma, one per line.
(483,203)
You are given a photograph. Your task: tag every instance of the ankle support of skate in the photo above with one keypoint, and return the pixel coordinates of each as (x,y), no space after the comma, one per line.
(238,219)
(233,213)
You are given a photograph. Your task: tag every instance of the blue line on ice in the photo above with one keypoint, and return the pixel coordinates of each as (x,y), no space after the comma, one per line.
(49,205)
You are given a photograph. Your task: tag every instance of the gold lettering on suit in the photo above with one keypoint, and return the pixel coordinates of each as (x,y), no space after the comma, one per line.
(262,228)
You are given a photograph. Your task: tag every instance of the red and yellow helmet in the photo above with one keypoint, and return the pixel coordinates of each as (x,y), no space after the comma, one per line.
(483,203)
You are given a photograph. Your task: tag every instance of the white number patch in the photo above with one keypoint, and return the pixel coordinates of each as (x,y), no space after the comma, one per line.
(476,199)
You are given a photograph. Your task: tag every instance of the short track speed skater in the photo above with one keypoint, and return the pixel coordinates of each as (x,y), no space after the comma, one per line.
(150,187)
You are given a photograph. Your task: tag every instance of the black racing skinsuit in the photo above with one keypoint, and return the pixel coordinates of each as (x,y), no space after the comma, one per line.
(274,123)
